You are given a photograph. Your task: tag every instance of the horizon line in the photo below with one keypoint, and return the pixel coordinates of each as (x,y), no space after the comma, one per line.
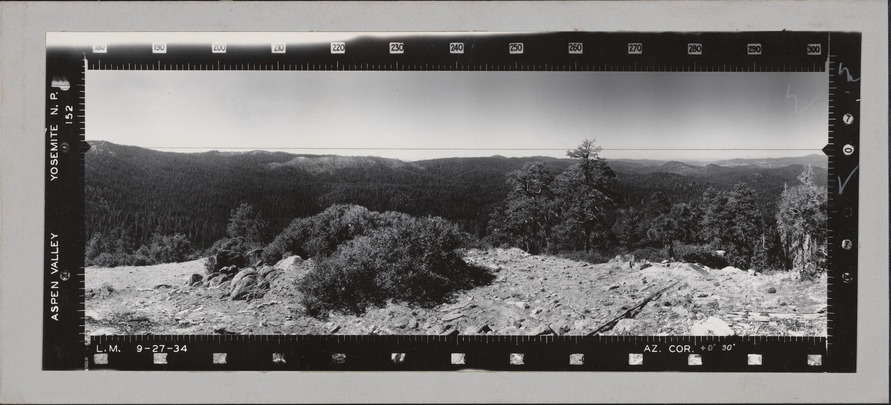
(465,149)
(548,152)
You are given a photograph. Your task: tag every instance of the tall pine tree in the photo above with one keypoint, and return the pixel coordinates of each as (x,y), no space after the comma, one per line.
(586,192)
(801,223)
(529,212)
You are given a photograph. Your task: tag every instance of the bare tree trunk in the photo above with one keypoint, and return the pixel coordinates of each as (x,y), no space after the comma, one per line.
(529,248)
(808,255)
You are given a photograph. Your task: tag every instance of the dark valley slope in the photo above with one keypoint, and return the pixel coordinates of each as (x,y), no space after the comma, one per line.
(143,191)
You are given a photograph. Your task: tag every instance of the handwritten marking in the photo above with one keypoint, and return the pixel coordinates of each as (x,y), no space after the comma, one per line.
(794,97)
(841,186)
(843,71)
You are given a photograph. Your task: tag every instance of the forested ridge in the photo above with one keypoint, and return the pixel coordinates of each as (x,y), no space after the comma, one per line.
(145,191)
(135,194)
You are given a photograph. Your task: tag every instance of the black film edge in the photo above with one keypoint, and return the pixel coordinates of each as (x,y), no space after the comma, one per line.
(837,54)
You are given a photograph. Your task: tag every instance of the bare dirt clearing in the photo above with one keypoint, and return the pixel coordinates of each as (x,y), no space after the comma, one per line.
(530,295)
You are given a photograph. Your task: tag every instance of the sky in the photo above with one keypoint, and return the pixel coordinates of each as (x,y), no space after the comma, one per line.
(422,115)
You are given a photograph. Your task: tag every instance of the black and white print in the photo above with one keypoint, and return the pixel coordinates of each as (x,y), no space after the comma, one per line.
(444,202)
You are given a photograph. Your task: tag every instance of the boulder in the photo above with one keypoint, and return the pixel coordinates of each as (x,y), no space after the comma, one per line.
(683,312)
(243,288)
(288,262)
(582,325)
(213,280)
(510,330)
(242,274)
(225,258)
(477,330)
(543,330)
(626,326)
(269,273)
(711,326)
(452,316)
(262,285)
(254,256)
(247,284)
(196,279)
(450,332)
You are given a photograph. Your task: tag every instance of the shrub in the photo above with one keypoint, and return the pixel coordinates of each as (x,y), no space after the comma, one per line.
(321,234)
(109,249)
(106,259)
(164,249)
(291,240)
(412,260)
(161,249)
(701,254)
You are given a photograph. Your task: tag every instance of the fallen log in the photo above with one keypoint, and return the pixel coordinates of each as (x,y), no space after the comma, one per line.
(631,312)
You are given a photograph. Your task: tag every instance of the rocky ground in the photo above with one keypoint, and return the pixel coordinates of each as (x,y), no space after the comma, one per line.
(530,295)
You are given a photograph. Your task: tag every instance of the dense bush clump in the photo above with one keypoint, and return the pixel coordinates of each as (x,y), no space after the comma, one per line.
(413,260)
(166,249)
(117,251)
(321,234)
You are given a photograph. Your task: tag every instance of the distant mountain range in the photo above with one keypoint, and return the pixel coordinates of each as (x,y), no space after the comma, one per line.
(143,190)
(814,160)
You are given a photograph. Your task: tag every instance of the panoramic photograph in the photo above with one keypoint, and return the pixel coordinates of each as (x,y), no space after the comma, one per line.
(456,203)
